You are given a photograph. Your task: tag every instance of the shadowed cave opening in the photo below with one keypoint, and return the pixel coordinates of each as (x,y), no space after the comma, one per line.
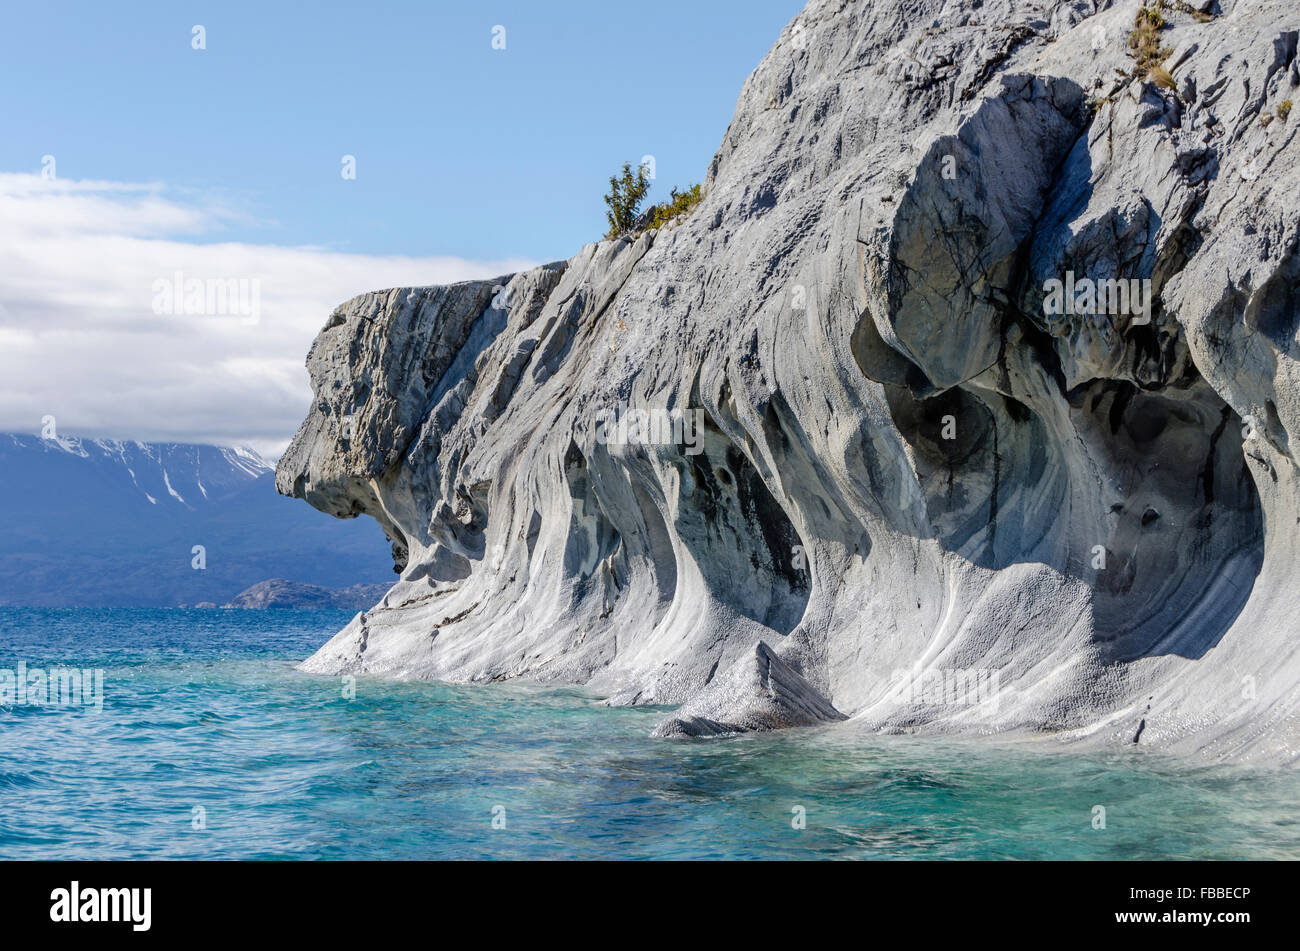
(739,535)
(1144,495)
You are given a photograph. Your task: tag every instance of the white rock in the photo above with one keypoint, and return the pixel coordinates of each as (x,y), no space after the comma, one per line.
(905,464)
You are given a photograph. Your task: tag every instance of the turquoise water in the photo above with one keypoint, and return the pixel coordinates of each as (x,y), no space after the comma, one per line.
(204,709)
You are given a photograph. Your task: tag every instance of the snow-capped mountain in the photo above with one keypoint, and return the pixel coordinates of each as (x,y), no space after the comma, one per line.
(107,522)
(188,475)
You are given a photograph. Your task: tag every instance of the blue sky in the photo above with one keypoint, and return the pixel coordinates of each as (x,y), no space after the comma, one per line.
(179,165)
(460,149)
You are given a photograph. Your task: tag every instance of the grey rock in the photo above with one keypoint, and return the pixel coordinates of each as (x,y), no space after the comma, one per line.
(930,493)
(759,692)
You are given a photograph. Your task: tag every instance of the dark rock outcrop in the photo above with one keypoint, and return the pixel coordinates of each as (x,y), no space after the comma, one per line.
(279,593)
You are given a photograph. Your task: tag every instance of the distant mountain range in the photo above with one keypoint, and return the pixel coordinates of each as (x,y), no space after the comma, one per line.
(105,523)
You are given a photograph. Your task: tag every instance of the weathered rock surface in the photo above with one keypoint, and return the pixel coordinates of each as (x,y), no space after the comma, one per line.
(944,505)
(759,692)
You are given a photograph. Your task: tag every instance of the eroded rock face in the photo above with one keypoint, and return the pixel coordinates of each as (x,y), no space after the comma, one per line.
(858,434)
(759,692)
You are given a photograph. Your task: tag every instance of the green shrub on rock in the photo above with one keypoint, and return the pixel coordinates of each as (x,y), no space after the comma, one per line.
(626,192)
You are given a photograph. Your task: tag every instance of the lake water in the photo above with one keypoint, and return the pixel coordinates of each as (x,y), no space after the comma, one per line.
(210,745)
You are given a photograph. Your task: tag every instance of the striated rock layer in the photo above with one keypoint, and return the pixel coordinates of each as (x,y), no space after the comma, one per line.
(875,474)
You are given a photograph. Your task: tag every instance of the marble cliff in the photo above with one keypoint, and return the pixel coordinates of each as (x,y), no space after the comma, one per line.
(961,403)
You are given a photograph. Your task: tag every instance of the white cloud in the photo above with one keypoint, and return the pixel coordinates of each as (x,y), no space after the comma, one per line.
(80,341)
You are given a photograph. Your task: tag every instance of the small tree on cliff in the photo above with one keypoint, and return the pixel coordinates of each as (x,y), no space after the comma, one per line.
(626,192)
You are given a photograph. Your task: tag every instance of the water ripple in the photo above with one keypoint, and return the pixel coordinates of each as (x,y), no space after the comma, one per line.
(211,745)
